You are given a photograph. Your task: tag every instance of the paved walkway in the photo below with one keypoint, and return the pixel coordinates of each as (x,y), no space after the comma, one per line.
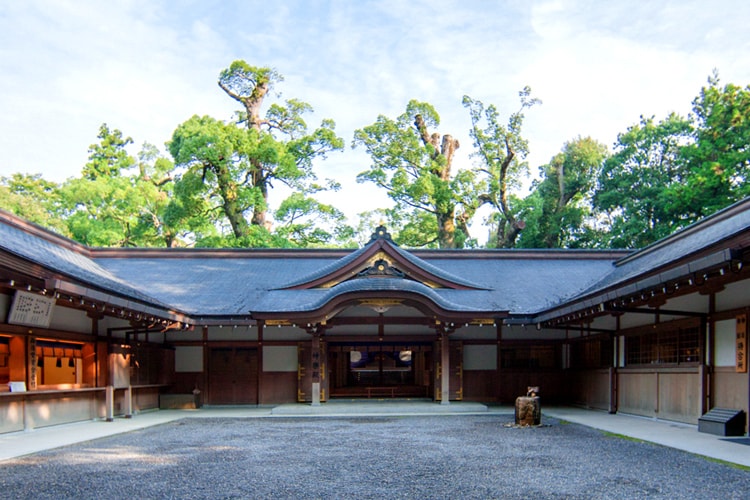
(680,436)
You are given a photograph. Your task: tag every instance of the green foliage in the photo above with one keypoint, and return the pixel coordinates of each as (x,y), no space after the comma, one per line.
(556,212)
(306,222)
(719,157)
(33,198)
(661,176)
(108,157)
(256,237)
(227,171)
(500,150)
(414,167)
(118,202)
(636,186)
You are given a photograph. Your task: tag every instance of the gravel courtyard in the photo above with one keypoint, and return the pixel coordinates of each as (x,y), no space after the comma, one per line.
(368,457)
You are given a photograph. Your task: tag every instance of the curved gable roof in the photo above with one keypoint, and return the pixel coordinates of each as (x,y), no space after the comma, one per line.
(380,248)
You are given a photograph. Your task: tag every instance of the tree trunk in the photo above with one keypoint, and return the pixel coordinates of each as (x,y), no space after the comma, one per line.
(228,190)
(260,211)
(446,231)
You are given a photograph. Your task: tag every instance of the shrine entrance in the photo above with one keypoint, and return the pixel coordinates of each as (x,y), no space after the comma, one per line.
(381,369)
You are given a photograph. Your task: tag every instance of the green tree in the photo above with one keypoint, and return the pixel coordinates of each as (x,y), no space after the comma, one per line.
(108,157)
(306,222)
(282,129)
(414,166)
(118,201)
(719,157)
(637,187)
(560,203)
(501,150)
(33,198)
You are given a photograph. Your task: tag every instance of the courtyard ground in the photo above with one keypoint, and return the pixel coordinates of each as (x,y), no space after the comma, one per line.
(376,456)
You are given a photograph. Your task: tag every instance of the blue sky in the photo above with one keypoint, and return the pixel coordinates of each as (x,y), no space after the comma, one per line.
(146,66)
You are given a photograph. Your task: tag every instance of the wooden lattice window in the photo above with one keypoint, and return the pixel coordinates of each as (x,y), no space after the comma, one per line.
(591,353)
(668,347)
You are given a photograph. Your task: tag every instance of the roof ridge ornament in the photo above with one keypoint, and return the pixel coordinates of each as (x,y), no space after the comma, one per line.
(381,268)
(381,233)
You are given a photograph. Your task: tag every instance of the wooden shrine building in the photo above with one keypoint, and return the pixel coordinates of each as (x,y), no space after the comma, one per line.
(96,333)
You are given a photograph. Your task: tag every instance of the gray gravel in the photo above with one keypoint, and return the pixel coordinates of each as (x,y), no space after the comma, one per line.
(373,457)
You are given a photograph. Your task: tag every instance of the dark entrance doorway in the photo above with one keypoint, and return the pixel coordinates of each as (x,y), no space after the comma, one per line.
(380,370)
(233,376)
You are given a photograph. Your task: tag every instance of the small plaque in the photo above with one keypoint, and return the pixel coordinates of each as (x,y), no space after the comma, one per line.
(741,345)
(30,309)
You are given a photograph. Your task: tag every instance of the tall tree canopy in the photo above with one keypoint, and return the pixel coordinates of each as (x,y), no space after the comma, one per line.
(501,150)
(34,198)
(285,125)
(677,170)
(414,165)
(719,157)
(661,176)
(636,186)
(117,201)
(559,206)
(228,170)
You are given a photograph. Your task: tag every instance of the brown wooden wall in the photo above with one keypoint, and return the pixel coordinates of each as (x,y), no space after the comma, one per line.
(672,394)
(514,383)
(480,385)
(589,388)
(730,390)
(278,388)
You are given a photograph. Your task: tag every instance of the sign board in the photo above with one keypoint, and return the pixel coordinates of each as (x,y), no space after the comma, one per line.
(741,349)
(17,386)
(30,309)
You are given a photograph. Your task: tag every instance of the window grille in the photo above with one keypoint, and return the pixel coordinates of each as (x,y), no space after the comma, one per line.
(669,347)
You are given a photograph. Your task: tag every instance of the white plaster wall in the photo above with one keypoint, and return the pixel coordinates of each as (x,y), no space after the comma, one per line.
(279,358)
(725,343)
(120,370)
(195,335)
(488,332)
(693,302)
(231,333)
(71,320)
(188,359)
(529,332)
(734,296)
(480,357)
(274,333)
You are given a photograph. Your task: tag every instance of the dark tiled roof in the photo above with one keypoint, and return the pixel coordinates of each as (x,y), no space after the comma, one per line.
(314,299)
(59,255)
(221,283)
(388,246)
(683,244)
(236,285)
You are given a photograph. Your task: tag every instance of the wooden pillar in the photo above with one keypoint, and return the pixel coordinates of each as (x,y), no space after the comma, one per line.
(259,392)
(128,401)
(315,365)
(109,403)
(445,370)
(205,389)
(613,372)
(499,361)
(706,347)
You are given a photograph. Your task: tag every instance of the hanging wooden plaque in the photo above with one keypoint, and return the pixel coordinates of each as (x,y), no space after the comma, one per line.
(741,346)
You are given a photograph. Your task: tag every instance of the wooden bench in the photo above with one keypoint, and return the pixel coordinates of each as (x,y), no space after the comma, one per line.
(381,391)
